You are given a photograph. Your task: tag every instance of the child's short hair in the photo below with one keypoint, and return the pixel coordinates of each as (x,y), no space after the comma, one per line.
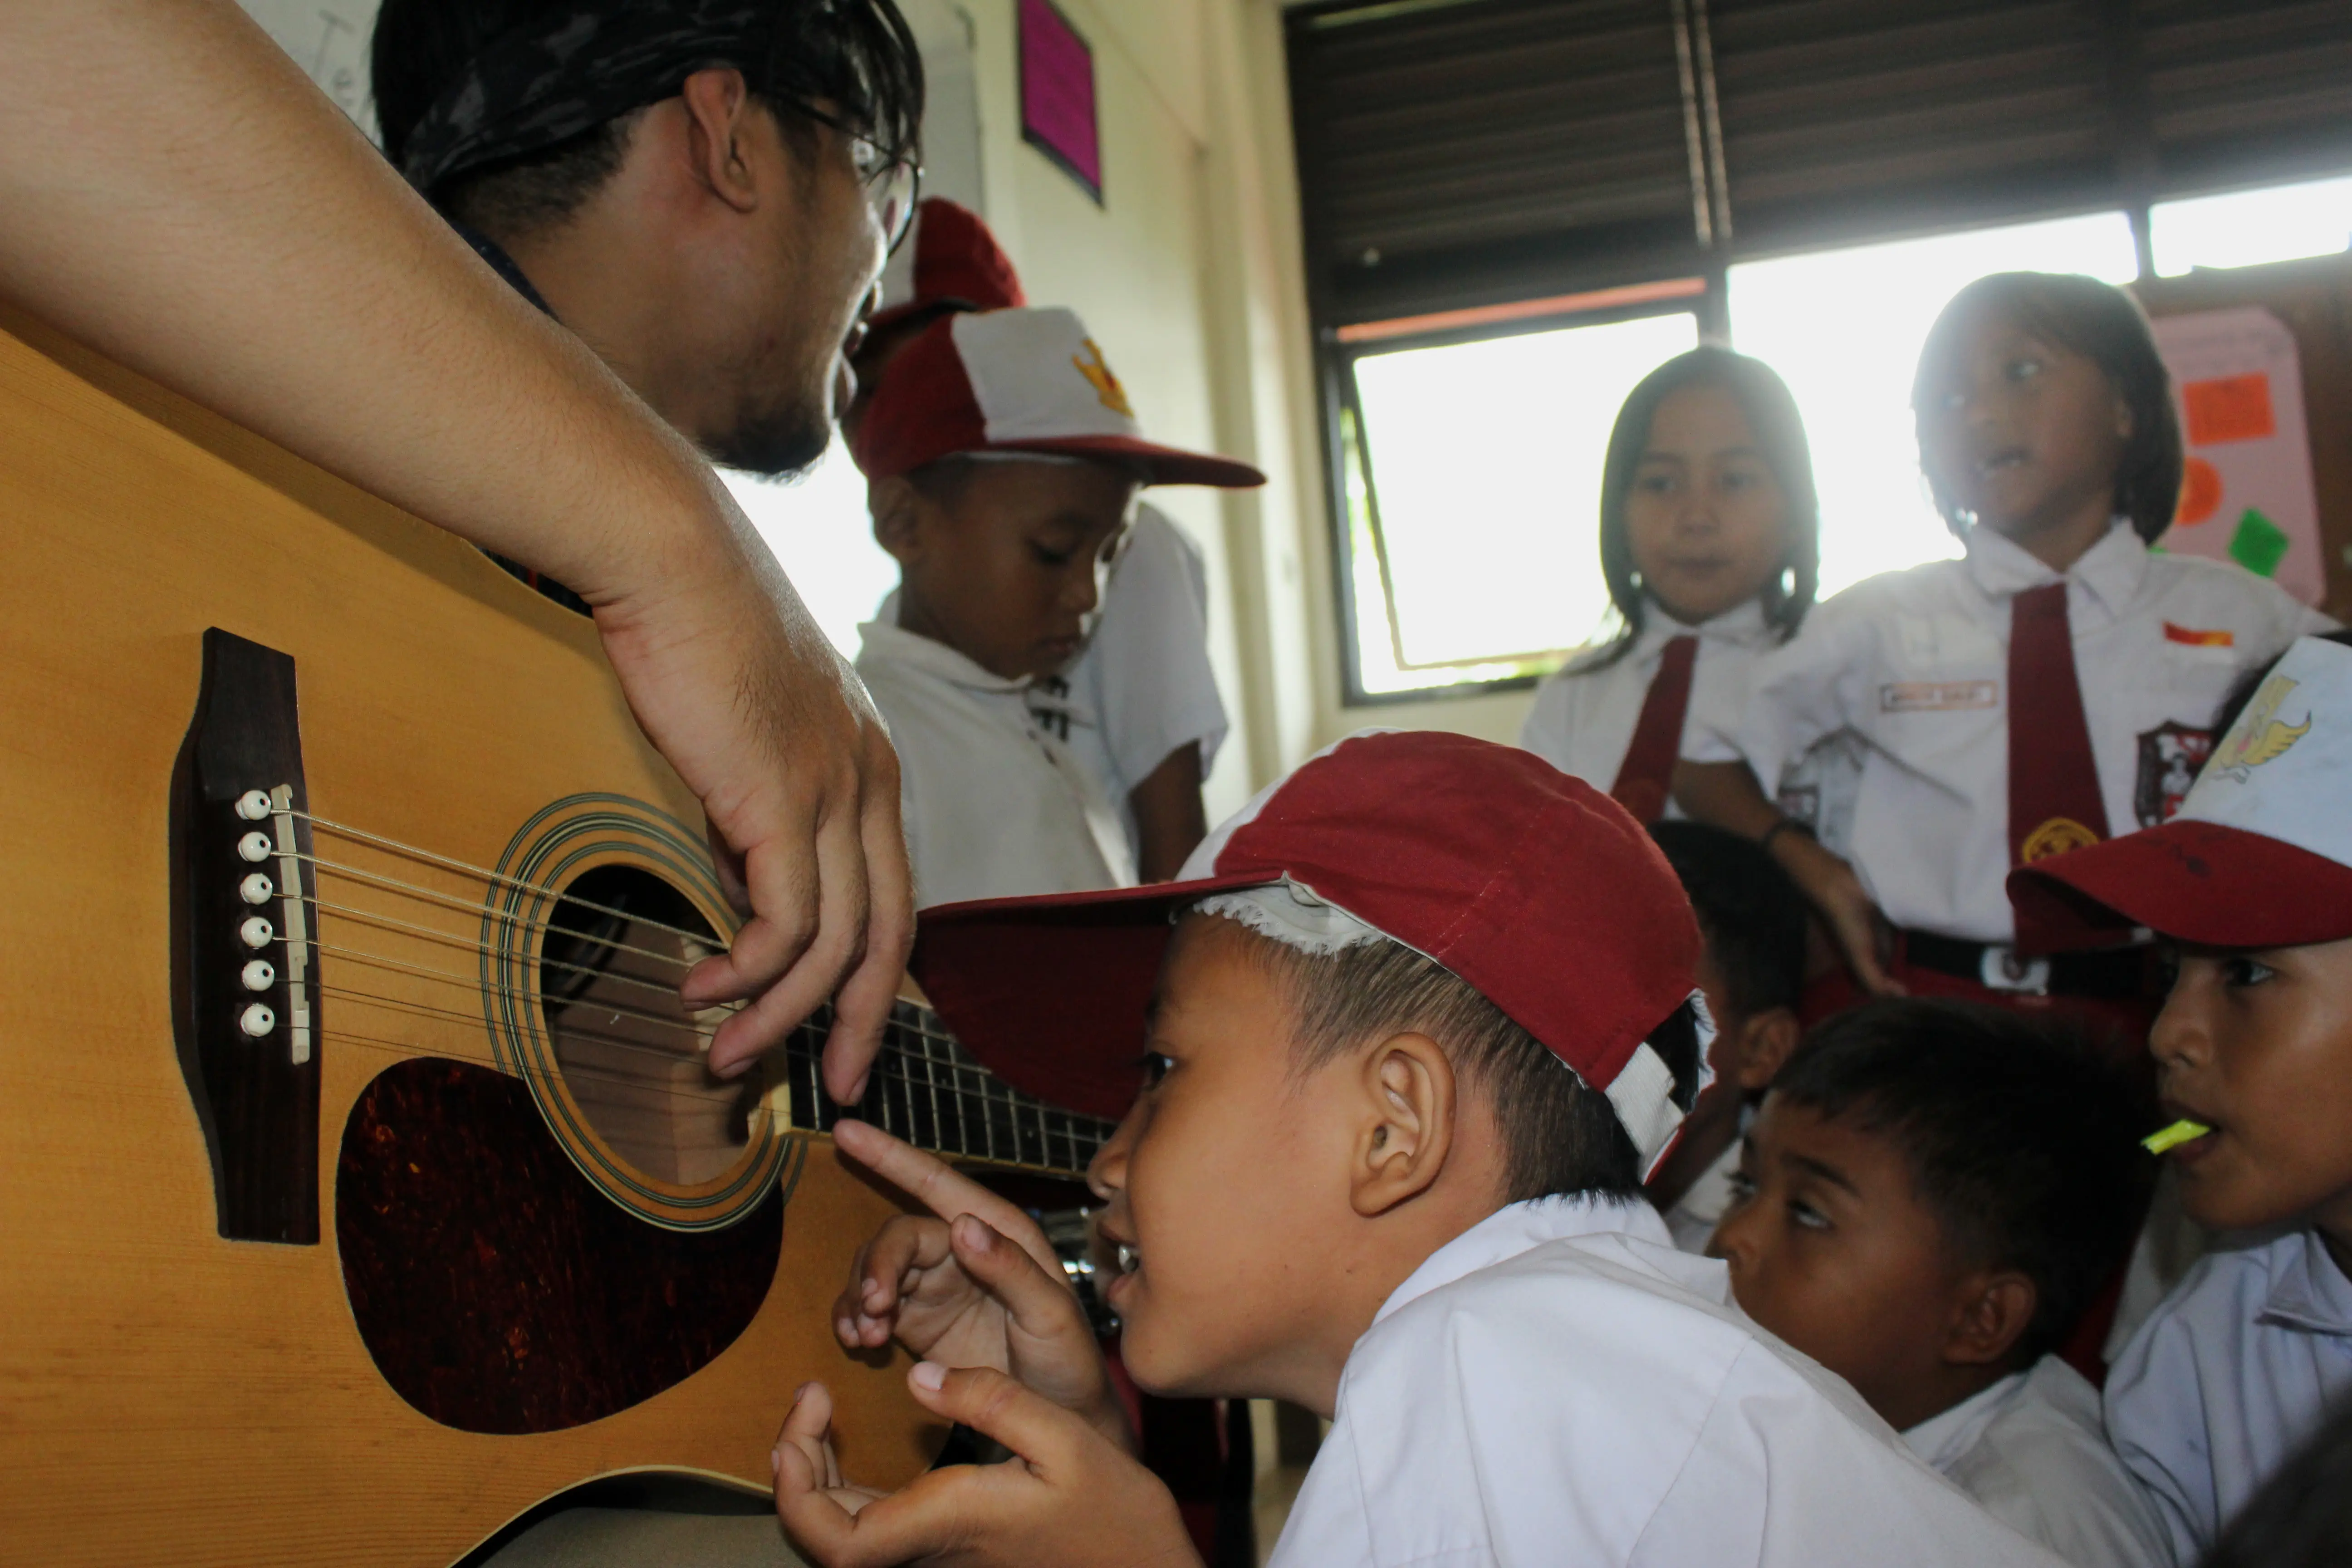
(1780,429)
(2106,326)
(1559,1136)
(1750,910)
(2019,1141)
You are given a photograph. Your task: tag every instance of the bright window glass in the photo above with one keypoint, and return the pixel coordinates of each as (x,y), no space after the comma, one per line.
(2247,228)
(818,527)
(1845,329)
(1487,459)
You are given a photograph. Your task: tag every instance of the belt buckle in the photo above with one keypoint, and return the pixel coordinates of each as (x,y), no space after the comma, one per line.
(2002,970)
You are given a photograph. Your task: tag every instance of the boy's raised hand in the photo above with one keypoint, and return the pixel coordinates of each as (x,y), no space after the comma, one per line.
(972,1284)
(1068,1495)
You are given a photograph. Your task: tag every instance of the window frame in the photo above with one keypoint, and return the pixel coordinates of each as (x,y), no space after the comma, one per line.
(1700,298)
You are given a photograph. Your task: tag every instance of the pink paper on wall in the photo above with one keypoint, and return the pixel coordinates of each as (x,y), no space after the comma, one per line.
(1058,94)
(2247,497)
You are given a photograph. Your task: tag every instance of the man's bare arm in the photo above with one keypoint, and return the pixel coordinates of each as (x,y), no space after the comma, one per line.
(175,194)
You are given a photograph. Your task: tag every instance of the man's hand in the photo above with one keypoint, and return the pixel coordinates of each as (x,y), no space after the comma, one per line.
(1066,1496)
(972,1284)
(741,691)
(198,211)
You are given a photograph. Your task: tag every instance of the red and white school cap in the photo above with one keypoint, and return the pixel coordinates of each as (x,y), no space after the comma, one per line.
(1532,886)
(2259,853)
(949,262)
(1017,381)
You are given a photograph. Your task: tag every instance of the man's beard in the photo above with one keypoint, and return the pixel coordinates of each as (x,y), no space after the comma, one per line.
(777,442)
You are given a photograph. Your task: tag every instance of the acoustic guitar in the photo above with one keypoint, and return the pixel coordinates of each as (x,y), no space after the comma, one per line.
(361,1181)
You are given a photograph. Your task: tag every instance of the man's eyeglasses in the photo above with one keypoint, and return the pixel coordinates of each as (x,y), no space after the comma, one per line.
(893,181)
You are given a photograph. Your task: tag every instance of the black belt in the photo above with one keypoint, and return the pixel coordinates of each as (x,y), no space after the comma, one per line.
(2113,974)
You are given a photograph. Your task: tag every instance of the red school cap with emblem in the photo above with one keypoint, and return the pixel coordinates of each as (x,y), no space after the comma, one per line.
(1023,381)
(1530,885)
(950,262)
(2259,853)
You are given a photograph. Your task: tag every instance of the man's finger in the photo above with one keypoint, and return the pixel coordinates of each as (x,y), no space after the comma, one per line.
(862,1006)
(946,1191)
(995,1405)
(805,983)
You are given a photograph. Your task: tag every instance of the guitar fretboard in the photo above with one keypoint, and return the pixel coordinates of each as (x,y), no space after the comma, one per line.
(929,1090)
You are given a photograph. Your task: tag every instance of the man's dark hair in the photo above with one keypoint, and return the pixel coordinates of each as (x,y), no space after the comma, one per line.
(2020,1141)
(1780,430)
(855,57)
(1750,910)
(1559,1135)
(2102,323)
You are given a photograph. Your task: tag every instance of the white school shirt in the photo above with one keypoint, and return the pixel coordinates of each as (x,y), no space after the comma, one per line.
(2032,1449)
(1915,666)
(1584,715)
(1558,1384)
(1143,686)
(2225,1381)
(994,807)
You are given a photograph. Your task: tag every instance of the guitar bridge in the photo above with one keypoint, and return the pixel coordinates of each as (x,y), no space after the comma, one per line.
(244,960)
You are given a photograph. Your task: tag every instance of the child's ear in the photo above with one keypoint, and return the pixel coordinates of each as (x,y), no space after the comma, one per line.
(1763,1043)
(1407,1130)
(1991,1314)
(899,514)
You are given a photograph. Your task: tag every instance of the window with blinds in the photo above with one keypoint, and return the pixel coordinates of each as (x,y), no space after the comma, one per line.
(1478,168)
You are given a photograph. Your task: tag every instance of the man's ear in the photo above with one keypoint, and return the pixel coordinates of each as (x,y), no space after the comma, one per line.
(1407,1132)
(1992,1311)
(718,110)
(1763,1044)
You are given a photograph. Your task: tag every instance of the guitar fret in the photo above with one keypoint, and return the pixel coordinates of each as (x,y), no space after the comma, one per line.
(927,1089)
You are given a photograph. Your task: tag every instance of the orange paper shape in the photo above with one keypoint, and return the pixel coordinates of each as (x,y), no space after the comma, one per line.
(2200,493)
(2228,408)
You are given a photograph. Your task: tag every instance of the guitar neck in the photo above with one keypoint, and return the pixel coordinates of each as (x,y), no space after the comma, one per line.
(930,1091)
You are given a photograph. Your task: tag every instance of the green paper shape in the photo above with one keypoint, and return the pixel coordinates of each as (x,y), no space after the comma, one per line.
(2259,546)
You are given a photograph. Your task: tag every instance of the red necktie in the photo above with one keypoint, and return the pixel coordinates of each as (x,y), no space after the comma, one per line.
(2054,802)
(1647,773)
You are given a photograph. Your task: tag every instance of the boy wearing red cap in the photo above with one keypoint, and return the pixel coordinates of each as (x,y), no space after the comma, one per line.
(1399,1094)
(1001,458)
(2252,883)
(1139,705)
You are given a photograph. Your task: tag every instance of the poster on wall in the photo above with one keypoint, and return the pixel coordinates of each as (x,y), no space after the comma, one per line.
(2246,493)
(1058,94)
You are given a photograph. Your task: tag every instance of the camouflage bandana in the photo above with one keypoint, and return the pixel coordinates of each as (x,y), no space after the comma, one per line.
(532,87)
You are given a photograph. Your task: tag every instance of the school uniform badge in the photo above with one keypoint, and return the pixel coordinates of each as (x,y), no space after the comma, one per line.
(2169,757)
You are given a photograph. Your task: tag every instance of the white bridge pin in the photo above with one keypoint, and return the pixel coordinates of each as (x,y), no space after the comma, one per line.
(253,805)
(254,846)
(259,975)
(257,889)
(256,1021)
(256,931)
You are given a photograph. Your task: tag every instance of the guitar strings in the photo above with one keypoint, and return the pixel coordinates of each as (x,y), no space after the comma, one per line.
(1000,1107)
(989,1120)
(452,900)
(478,872)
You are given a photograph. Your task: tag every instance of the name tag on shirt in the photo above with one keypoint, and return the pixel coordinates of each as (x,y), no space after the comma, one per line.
(1938,696)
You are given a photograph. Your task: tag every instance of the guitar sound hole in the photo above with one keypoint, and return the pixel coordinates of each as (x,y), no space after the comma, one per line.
(631,1055)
